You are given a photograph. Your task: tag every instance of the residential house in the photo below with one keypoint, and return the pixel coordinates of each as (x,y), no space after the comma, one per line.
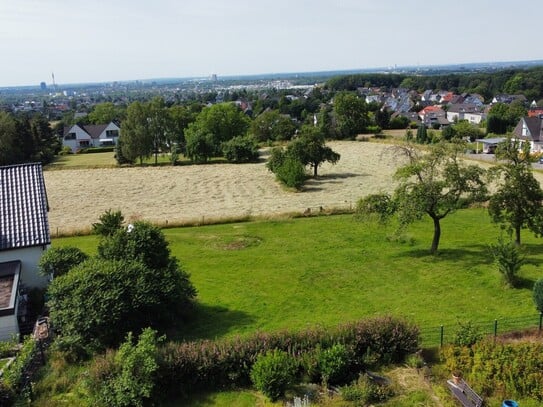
(81,136)
(24,236)
(433,116)
(530,130)
(508,99)
(465,111)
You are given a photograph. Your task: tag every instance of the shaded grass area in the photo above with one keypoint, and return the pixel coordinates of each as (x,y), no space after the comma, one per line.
(299,273)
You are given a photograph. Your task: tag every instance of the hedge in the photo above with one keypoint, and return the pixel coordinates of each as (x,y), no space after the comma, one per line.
(227,363)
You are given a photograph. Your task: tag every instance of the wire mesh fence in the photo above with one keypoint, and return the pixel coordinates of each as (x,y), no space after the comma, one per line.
(445,334)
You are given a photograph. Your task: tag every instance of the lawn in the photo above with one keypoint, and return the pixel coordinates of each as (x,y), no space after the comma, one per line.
(293,274)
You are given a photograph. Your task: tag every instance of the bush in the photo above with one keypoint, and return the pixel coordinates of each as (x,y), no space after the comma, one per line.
(57,261)
(273,373)
(126,378)
(508,259)
(99,301)
(228,362)
(109,223)
(66,150)
(291,173)
(13,374)
(380,205)
(366,391)
(240,149)
(538,294)
(334,364)
(501,370)
(467,335)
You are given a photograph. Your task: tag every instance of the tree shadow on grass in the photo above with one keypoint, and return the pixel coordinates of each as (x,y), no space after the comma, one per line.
(524,283)
(465,256)
(206,321)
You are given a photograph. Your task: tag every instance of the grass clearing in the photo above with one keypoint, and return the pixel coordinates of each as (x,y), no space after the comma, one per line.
(294,274)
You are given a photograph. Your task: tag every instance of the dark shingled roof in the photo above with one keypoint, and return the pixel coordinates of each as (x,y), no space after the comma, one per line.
(23,207)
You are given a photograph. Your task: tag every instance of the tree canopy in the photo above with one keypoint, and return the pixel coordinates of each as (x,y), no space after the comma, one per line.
(435,183)
(518,200)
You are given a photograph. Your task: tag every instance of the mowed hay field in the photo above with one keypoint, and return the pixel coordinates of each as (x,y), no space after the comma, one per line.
(198,193)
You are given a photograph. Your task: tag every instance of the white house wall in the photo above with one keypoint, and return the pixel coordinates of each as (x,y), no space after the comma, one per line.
(80,135)
(8,327)
(29,257)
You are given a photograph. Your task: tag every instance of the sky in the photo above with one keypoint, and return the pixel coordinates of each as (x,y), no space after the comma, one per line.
(112,40)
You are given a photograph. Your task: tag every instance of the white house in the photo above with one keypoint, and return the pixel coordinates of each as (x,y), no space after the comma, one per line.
(530,130)
(24,236)
(81,136)
(465,111)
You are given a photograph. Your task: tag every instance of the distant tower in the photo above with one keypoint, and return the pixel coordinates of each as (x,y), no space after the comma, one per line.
(214,77)
(43,86)
(54,84)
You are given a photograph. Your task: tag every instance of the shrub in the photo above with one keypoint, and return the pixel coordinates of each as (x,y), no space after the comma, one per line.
(380,205)
(538,294)
(291,173)
(273,373)
(66,150)
(467,334)
(240,149)
(365,391)
(126,378)
(508,259)
(109,223)
(501,370)
(334,364)
(228,362)
(13,374)
(57,261)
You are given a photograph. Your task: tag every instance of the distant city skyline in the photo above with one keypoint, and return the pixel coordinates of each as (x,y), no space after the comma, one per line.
(106,41)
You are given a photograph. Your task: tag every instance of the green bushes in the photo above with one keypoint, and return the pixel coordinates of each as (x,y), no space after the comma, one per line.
(57,261)
(126,378)
(506,370)
(508,259)
(538,294)
(240,149)
(273,373)
(228,363)
(334,364)
(13,374)
(365,391)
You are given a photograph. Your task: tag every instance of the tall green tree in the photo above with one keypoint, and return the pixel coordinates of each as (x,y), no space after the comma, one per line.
(271,125)
(435,183)
(106,112)
(136,138)
(310,149)
(350,115)
(518,200)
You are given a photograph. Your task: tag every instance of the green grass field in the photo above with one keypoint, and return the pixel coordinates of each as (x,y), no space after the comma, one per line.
(324,271)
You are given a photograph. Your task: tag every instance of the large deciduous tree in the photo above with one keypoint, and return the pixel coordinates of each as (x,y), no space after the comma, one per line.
(517,202)
(435,182)
(271,125)
(136,138)
(310,149)
(350,114)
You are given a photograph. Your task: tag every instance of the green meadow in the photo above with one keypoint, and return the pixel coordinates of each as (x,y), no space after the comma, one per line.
(327,270)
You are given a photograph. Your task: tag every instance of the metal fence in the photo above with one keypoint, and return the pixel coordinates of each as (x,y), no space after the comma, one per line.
(444,334)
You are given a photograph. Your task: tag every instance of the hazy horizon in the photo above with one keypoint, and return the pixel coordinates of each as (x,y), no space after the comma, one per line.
(125,40)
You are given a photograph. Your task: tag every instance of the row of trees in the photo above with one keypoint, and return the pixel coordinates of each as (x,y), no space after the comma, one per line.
(528,82)
(435,182)
(26,138)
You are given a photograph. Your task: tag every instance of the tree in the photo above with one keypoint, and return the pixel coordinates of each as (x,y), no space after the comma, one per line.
(538,294)
(136,138)
(422,136)
(109,223)
(350,115)
(200,145)
(126,378)
(517,201)
(57,261)
(10,152)
(464,130)
(106,112)
(240,149)
(435,183)
(271,125)
(310,149)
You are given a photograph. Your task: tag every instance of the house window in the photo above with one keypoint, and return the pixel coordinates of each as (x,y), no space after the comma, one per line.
(84,143)
(112,133)
(69,136)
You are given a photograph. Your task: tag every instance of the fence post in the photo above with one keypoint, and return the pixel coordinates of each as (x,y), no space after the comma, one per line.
(495,329)
(540,320)
(441,337)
